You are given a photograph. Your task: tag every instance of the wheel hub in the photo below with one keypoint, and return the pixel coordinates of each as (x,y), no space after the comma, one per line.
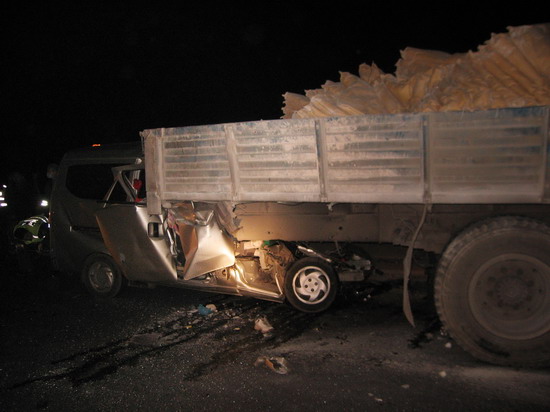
(311,285)
(101,277)
(509,295)
(513,291)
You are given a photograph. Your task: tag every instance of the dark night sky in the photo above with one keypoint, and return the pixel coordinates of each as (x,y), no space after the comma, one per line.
(82,73)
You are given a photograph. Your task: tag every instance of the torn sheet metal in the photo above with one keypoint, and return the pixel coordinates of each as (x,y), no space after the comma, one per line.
(140,257)
(206,247)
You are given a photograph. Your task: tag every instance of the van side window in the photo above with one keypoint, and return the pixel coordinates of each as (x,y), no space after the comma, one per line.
(92,181)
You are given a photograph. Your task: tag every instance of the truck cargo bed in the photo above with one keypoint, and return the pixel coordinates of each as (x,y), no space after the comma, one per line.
(493,156)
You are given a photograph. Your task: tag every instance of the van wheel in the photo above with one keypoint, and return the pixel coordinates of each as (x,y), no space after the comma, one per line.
(311,285)
(101,276)
(492,291)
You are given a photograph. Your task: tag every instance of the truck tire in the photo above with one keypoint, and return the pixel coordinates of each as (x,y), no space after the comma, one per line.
(311,285)
(492,291)
(101,276)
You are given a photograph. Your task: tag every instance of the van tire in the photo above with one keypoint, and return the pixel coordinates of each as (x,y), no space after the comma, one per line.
(101,276)
(492,291)
(323,280)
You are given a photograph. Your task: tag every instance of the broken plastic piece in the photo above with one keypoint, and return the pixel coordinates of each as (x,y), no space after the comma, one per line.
(263,325)
(204,310)
(276,364)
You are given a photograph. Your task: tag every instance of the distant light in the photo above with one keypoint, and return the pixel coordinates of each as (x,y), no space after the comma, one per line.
(44,203)
(3,204)
(96,145)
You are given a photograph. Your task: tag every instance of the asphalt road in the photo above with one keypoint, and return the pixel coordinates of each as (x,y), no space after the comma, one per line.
(151,349)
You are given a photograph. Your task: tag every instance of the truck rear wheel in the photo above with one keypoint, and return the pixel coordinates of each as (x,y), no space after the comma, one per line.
(311,285)
(492,291)
(101,276)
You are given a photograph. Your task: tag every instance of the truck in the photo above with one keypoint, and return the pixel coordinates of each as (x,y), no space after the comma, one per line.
(286,210)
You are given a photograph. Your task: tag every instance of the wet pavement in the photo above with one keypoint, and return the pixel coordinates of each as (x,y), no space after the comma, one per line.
(158,349)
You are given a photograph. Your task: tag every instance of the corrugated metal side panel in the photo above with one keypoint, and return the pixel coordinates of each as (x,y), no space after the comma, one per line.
(346,159)
(275,160)
(488,156)
(495,156)
(374,158)
(251,161)
(195,161)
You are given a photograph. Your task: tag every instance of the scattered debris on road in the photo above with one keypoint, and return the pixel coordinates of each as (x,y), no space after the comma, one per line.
(261,324)
(276,364)
(206,310)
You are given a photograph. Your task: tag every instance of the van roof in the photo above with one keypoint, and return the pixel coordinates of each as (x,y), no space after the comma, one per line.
(128,151)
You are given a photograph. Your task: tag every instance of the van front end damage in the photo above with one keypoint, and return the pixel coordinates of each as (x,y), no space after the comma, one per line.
(191,246)
(187,247)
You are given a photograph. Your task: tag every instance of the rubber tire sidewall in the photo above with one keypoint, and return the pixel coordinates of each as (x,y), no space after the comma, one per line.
(289,290)
(457,267)
(119,280)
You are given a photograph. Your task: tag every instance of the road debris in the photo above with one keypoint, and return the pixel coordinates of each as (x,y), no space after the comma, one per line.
(276,364)
(443,374)
(376,399)
(204,310)
(426,335)
(261,324)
